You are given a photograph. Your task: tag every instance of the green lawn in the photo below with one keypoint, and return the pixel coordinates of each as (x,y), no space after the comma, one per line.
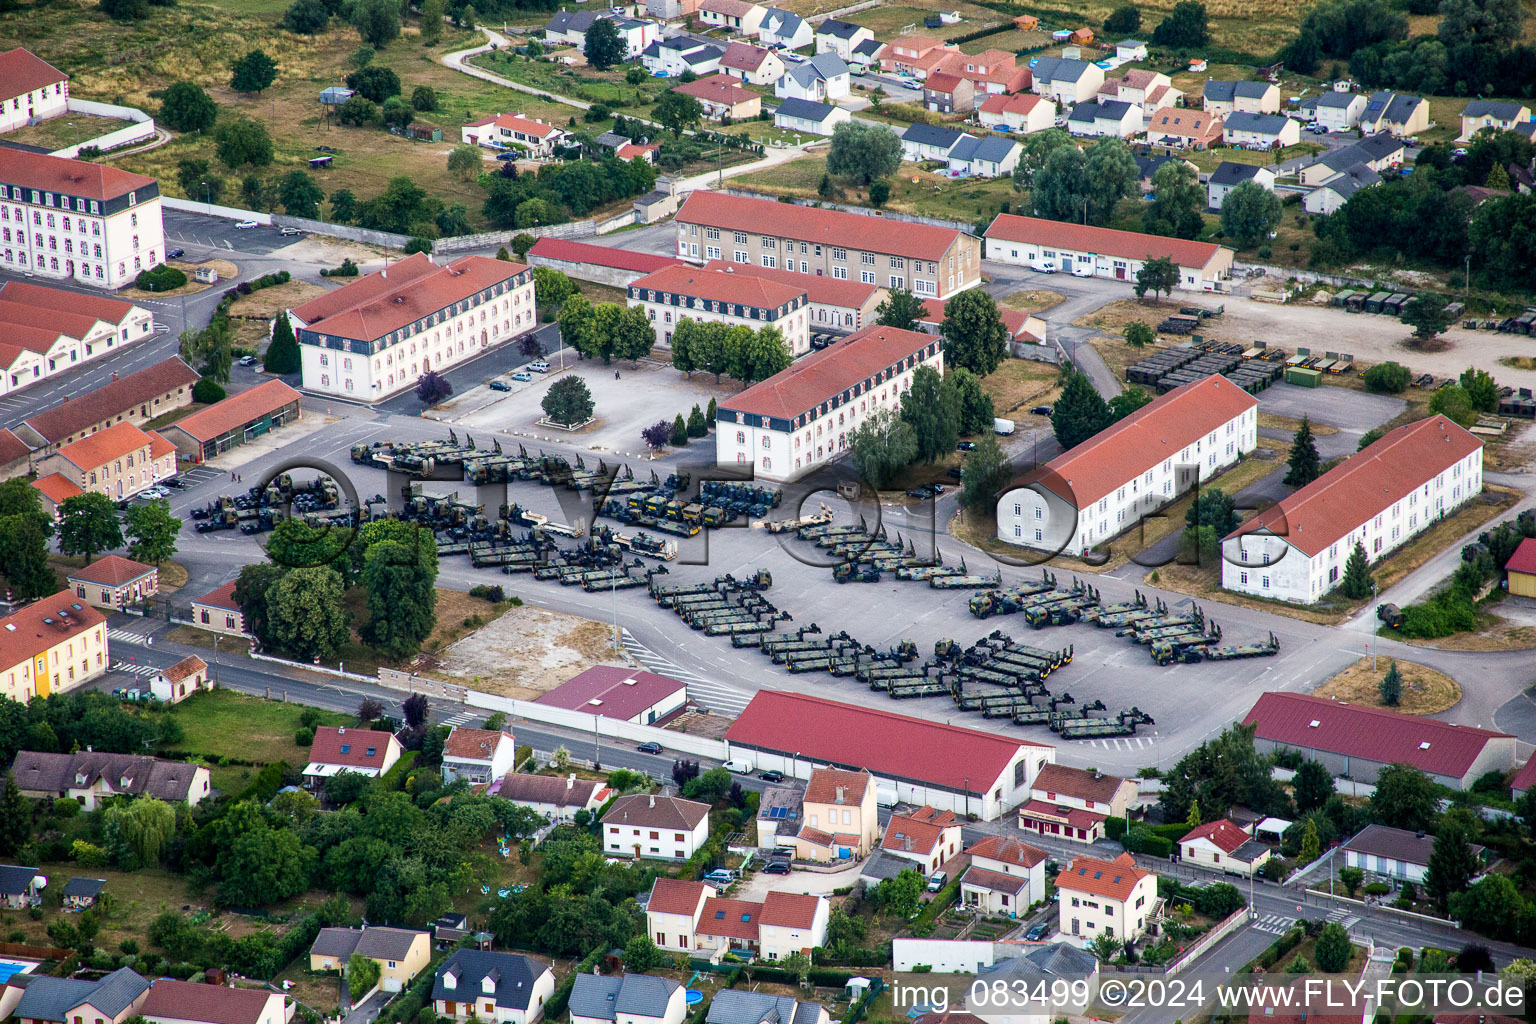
(912,190)
(68,130)
(229,724)
(1208,160)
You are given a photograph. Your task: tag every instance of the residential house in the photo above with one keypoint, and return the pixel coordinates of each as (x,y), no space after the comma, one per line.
(1229,175)
(31,89)
(627,999)
(784,30)
(839,816)
(865,55)
(513,131)
(623,694)
(736,16)
(120,461)
(835,305)
(673,294)
(722,98)
(1396,114)
(791,923)
(338,749)
(671,10)
(990,72)
(20,887)
(914,56)
(1225,98)
(55,489)
(738,1006)
(401,953)
(1379,498)
(110,999)
(810,117)
(948,94)
(822,78)
(1104,252)
(672,913)
(1104,897)
(1185,129)
(928,837)
(673,56)
(1108,483)
(1147,168)
(624,148)
(752,64)
(1130,50)
(89,777)
(779,815)
(1334,192)
(1394,853)
(1005,876)
(1023,113)
(219,612)
(171,1001)
(570,28)
(133,398)
(655,827)
(1339,111)
(1065,81)
(921,142)
(449,929)
(178,682)
(497,988)
(1261,131)
(115,582)
(1222,845)
(478,755)
(1152,91)
(1073,803)
(1109,117)
(840,37)
(1496,115)
(1377,152)
(82,893)
(49,646)
(991,157)
(557,799)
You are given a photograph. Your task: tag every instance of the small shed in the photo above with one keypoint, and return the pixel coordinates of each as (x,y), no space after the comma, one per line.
(319,163)
(1082,36)
(1304,376)
(1026,23)
(1522,569)
(855,988)
(207,274)
(425,133)
(80,893)
(336,95)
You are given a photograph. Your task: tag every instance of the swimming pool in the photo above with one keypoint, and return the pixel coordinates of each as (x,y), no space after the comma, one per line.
(10,967)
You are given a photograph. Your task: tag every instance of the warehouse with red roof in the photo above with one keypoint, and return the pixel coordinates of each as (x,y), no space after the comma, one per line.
(598,263)
(1088,251)
(916,761)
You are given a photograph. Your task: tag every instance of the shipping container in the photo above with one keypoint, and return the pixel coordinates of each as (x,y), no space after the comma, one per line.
(1303,376)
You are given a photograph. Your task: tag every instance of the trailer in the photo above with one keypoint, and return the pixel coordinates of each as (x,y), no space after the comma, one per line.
(1071,727)
(741,628)
(918,688)
(1011,599)
(1166,653)
(823,515)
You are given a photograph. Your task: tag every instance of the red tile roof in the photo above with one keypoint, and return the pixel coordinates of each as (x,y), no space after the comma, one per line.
(919,832)
(888,744)
(942,81)
(1113,879)
(57,487)
(743,57)
(206,1004)
(22,71)
(330,741)
(112,571)
(1015,321)
(158,445)
(104,446)
(612,692)
(221,597)
(1008,850)
(719,286)
(1021,103)
(12,448)
(996,881)
(512,122)
(414,288)
(643,811)
(824,227)
(1152,434)
(1130,245)
(730,8)
(826,291)
(100,307)
(1225,835)
(825,783)
(789,910)
(820,376)
(71,177)
(1078,783)
(41,625)
(721,89)
(236,411)
(18,313)
(599,255)
(1525,778)
(1365,485)
(474,744)
(675,896)
(1076,817)
(190,665)
(1190,124)
(736,919)
(118,396)
(1372,734)
(569,791)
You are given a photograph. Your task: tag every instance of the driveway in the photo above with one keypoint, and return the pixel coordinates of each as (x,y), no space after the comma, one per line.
(815,883)
(369,1009)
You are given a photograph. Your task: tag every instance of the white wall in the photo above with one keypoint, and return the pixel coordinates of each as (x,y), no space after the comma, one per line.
(129,133)
(945,956)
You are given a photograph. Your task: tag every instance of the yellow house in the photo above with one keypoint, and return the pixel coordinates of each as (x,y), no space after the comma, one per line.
(1522,569)
(53,644)
(401,953)
(838,815)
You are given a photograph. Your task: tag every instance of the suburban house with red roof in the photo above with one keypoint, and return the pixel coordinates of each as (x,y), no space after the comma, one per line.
(513,131)
(1358,741)
(119,461)
(837,306)
(30,89)
(791,923)
(56,488)
(672,914)
(1023,328)
(653,827)
(915,55)
(44,331)
(915,760)
(134,398)
(617,692)
(689,917)
(182,1002)
(338,749)
(1005,876)
(1224,846)
(219,612)
(181,680)
(1185,129)
(478,755)
(754,65)
(1150,90)
(802,416)
(557,798)
(599,263)
(113,581)
(1088,251)
(673,294)
(108,218)
(1104,486)
(235,420)
(721,96)
(1104,897)
(926,260)
(1379,498)
(840,819)
(928,837)
(1074,802)
(375,337)
(1024,113)
(947,93)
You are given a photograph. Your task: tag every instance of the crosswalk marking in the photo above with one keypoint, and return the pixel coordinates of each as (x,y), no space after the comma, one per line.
(1274,924)
(461,718)
(126,636)
(709,693)
(132,669)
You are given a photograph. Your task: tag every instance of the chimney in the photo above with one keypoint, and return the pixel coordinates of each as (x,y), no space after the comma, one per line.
(341,730)
(653,799)
(570,782)
(841,794)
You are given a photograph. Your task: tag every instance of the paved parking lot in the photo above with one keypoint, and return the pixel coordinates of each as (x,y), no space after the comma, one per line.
(201,235)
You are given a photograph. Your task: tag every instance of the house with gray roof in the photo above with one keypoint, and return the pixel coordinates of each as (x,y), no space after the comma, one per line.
(1106,117)
(735,1006)
(88,777)
(991,157)
(1395,113)
(109,1000)
(671,57)
(821,79)
(1377,152)
(629,998)
(784,30)
(1339,111)
(1492,114)
(865,53)
(20,887)
(1065,80)
(499,988)
(1061,959)
(1394,853)
(401,953)
(1225,98)
(809,116)
(1260,131)
(1229,175)
(1337,190)
(80,893)
(928,142)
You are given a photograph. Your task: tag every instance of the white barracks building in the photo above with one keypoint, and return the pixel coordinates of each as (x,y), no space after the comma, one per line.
(1105,485)
(376,336)
(72,220)
(30,89)
(722,296)
(802,417)
(1380,497)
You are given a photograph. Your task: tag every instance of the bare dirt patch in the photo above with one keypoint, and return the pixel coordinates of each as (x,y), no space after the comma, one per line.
(1114,316)
(1032,300)
(268,302)
(1425,690)
(525,653)
(1019,382)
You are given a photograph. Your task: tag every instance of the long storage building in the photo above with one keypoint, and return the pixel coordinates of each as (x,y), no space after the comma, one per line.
(1087,251)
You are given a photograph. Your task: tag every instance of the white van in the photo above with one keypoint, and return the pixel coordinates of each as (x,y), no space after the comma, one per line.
(1082,268)
(1042,265)
(1002,426)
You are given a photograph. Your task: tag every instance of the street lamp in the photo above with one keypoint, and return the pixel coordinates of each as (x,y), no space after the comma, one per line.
(208,197)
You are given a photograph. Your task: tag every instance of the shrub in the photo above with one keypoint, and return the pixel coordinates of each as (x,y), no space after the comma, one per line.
(208,391)
(160,279)
(303,737)
(1389,378)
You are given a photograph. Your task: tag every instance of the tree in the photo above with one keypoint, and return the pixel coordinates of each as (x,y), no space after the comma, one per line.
(679,432)
(697,427)
(568,401)
(863,152)
(299,194)
(1130,398)
(604,46)
(432,14)
(1304,463)
(882,446)
(634,336)
(343,205)
(368,710)
(152,531)
(974,334)
(767,353)
(976,412)
(377,21)
(374,82)
(657,434)
(306,17)
(283,351)
(1215,508)
(1482,390)
(257,864)
(1427,316)
(1333,948)
(1193,819)
(256,193)
(641,955)
(1451,866)
(145,827)
(208,391)
(1388,378)
(1185,28)
(402,599)
(1106,946)
(1079,413)
(522,243)
(577,322)
(253,72)
(984,474)
(1060,189)
(1037,147)
(1177,200)
(1312,786)
(397,113)
(1138,334)
(424,97)
(88,524)
(125,10)
(1112,176)
(1351,878)
(1369,438)
(432,388)
(24,531)
(1492,906)
(677,111)
(900,309)
(1125,18)
(359,112)
(362,975)
(187,108)
(1502,235)
(242,142)
(1405,798)
(464,162)
(901,896)
(1311,845)
(1481,23)
(1249,213)
(1357,575)
(251,588)
(1453,402)
(15,818)
(932,409)
(306,616)
(1158,276)
(210,350)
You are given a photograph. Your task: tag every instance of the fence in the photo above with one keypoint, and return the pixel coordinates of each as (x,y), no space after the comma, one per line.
(136,132)
(910,218)
(490,239)
(214,210)
(698,746)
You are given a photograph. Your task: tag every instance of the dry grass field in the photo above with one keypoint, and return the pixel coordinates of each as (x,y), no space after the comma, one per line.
(1425,690)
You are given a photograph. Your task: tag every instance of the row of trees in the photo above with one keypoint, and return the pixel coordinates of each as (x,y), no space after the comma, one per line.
(735,351)
(560,191)
(605,331)
(932,415)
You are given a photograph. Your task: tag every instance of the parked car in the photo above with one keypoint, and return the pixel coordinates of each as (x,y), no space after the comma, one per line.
(539,366)
(965,446)
(175,482)
(1041,410)
(914,86)
(522,375)
(172,254)
(1037,933)
(247,360)
(738,767)
(925,491)
(289,231)
(720,876)
(649,747)
(506,156)
(245,225)
(772,776)
(953,472)
(500,385)
(937,880)
(776,867)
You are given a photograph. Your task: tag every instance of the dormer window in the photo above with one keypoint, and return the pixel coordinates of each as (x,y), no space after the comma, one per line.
(346,748)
